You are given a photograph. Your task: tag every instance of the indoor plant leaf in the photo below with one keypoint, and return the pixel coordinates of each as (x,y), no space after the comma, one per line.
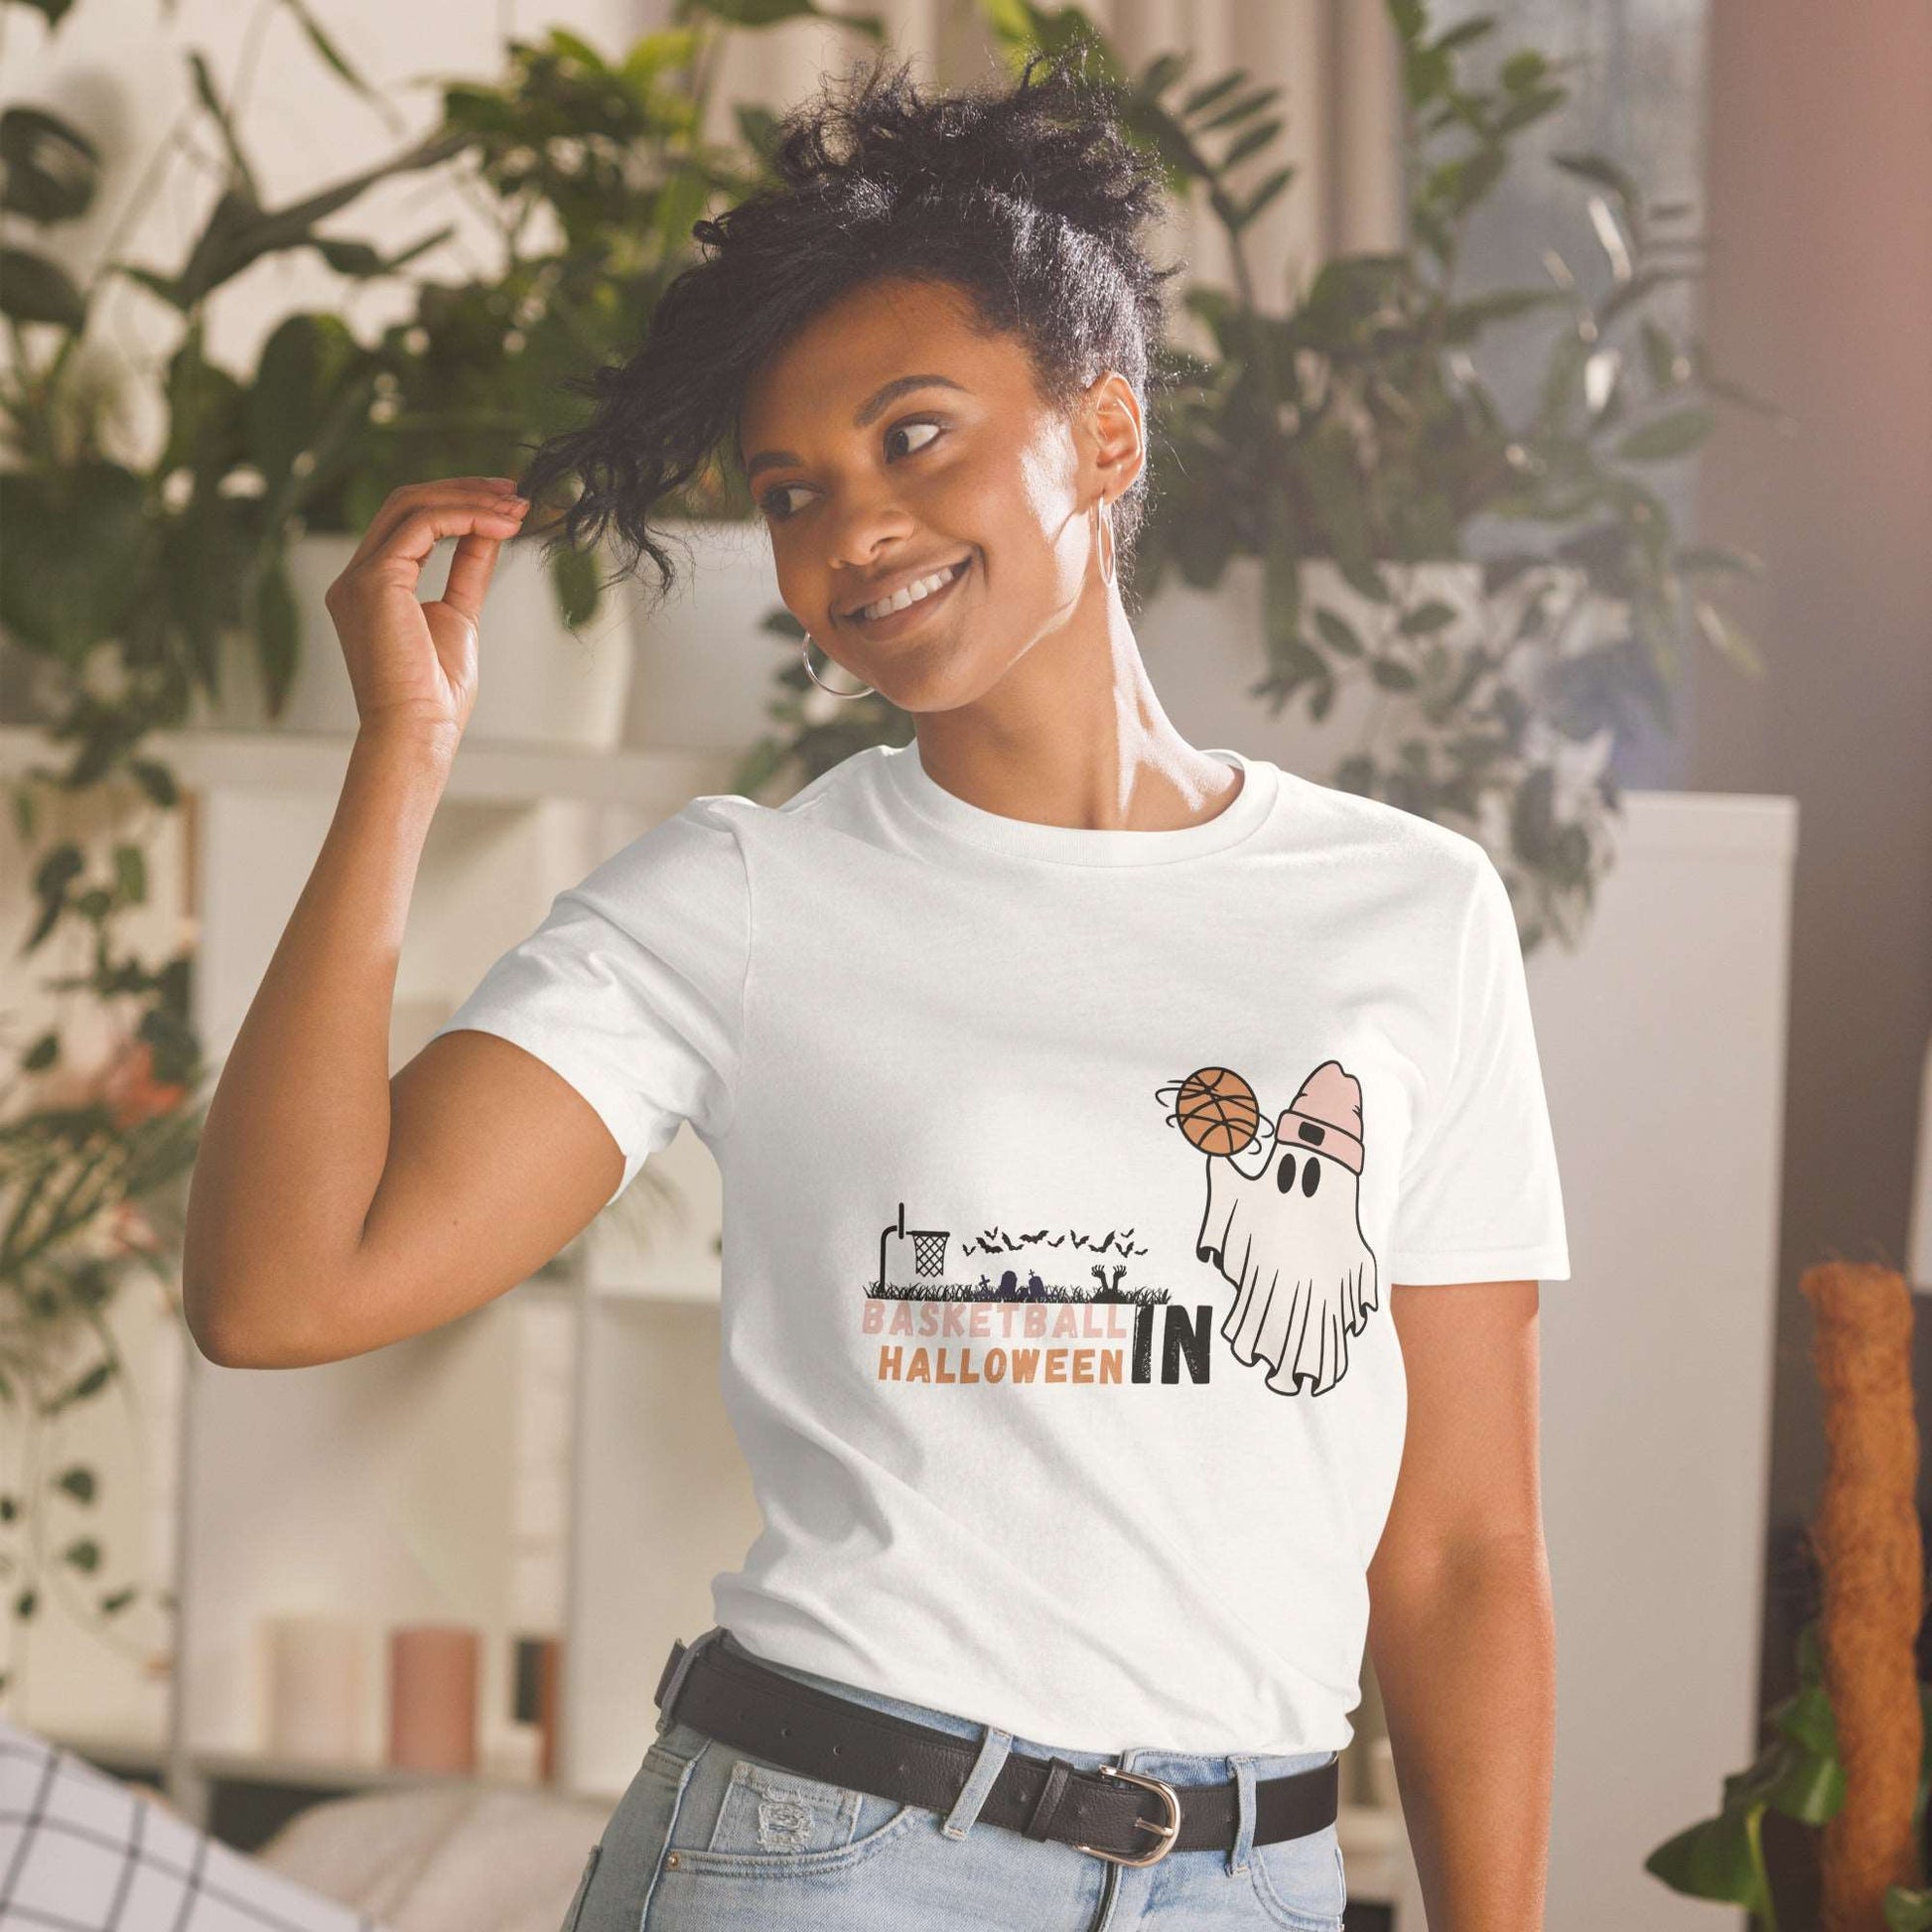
(1668,437)
(1715,1858)
(69,568)
(52,170)
(36,288)
(769,13)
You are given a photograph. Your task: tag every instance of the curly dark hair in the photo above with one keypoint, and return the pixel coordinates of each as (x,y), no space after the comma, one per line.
(1026,196)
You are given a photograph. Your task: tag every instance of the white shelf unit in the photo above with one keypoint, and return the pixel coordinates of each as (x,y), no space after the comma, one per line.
(412,1497)
(556,1462)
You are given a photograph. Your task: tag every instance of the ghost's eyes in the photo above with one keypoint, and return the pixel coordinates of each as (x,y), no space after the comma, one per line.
(1310,1175)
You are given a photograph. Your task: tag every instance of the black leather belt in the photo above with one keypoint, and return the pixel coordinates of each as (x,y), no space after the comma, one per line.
(1116,1815)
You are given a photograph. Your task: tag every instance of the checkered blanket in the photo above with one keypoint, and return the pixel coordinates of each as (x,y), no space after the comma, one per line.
(82,1853)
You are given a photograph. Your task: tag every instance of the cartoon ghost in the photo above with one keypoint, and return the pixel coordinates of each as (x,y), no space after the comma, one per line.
(1288,1234)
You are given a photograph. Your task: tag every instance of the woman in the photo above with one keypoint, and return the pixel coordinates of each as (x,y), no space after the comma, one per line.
(1061,1598)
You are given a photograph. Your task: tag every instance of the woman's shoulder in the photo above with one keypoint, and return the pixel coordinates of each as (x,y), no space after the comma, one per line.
(738,813)
(701,847)
(1422,852)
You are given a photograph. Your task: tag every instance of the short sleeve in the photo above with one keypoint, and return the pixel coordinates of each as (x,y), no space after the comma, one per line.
(1480,1198)
(633,987)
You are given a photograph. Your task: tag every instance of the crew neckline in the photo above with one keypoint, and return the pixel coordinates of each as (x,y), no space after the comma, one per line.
(1025,838)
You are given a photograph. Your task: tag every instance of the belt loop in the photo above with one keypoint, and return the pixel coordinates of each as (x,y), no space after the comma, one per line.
(682,1657)
(979,1781)
(1242,1771)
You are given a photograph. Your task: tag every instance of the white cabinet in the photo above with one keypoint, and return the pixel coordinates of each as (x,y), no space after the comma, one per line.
(555,1461)
(661,1502)
(1663,1042)
(503,1471)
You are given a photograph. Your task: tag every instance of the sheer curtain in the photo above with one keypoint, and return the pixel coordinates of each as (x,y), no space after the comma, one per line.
(1333,60)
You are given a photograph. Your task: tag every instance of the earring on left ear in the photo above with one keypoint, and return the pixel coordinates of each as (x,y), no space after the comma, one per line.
(805,651)
(1103,513)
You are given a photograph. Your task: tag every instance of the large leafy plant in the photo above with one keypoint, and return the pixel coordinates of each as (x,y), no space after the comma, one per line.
(123,577)
(125,573)
(118,577)
(594,170)
(591,172)
(1356,430)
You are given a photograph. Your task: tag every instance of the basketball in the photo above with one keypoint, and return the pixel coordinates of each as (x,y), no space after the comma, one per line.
(1216,1110)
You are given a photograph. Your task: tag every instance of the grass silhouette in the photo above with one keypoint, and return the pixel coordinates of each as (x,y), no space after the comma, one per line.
(1017,1297)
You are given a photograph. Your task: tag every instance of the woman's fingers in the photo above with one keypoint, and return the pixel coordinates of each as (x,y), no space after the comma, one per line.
(398,559)
(470,569)
(478,494)
(408,658)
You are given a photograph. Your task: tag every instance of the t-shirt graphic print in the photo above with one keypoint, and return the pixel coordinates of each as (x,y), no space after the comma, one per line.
(1000,1306)
(1281,1222)
(1066,1175)
(1285,1226)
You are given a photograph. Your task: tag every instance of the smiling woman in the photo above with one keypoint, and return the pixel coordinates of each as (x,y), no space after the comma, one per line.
(928,349)
(1071,1363)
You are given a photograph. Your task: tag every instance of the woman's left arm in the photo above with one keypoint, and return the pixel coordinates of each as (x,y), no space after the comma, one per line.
(1462,1631)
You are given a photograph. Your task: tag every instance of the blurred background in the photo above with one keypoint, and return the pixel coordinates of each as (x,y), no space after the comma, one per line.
(1549,451)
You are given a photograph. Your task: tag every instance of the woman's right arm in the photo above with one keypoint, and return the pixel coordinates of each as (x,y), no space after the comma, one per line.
(332,1209)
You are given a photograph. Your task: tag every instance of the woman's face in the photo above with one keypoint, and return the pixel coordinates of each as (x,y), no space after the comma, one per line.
(888,442)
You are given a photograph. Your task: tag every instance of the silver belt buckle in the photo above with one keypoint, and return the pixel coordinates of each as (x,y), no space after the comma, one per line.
(1166,1832)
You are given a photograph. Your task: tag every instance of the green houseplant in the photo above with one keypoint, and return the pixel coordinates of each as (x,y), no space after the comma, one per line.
(1351,436)
(159,560)
(592,169)
(118,577)
(125,579)
(1799,1775)
(1850,1752)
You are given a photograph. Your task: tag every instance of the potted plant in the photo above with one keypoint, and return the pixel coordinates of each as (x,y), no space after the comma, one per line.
(590,170)
(615,151)
(1849,1756)
(1800,1775)
(166,557)
(121,578)
(152,590)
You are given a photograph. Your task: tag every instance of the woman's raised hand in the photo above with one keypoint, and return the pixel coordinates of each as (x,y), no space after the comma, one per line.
(411,664)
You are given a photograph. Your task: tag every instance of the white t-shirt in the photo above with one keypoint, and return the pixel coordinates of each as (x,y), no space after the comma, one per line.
(1065,1173)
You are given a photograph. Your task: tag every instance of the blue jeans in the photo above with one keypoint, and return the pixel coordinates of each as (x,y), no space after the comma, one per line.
(706,1838)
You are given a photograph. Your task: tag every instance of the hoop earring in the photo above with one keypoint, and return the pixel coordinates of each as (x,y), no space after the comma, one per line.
(805,651)
(1103,512)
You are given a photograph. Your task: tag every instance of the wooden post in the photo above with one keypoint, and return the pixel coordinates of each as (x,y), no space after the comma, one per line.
(1865,1534)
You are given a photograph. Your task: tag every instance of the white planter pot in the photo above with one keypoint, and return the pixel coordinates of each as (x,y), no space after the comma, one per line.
(540,682)
(705,669)
(1205,652)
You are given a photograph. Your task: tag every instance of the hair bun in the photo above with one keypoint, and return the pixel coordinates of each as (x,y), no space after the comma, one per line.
(1049,144)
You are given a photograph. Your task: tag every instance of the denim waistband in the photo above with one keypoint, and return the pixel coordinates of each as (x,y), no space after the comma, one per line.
(1172,1767)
